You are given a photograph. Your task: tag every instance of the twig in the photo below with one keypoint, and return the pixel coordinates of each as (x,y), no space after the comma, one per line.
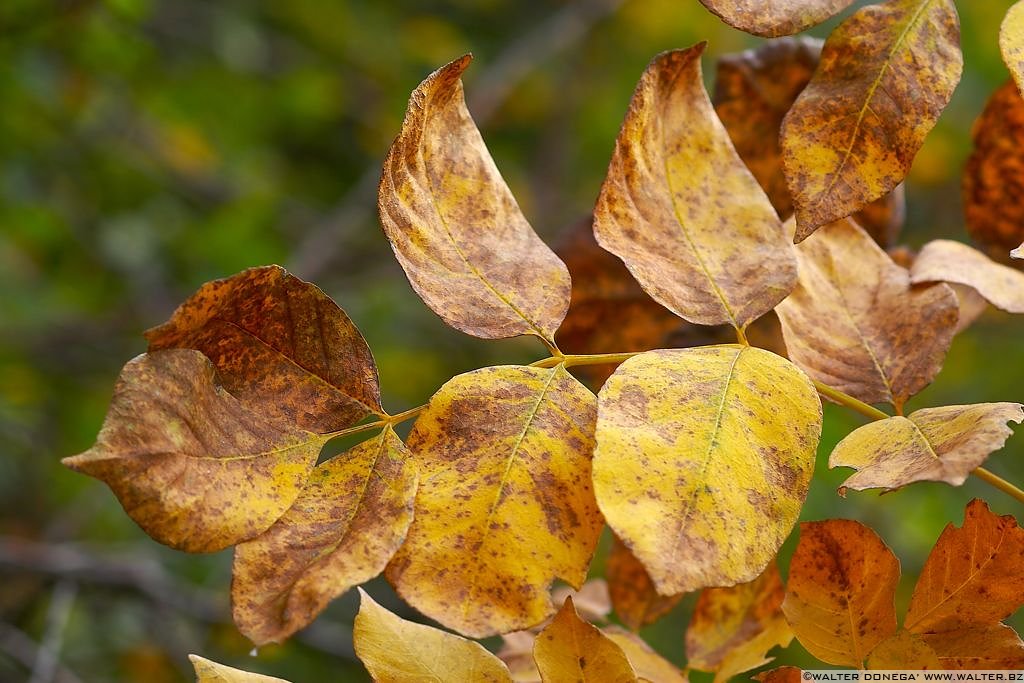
(47,659)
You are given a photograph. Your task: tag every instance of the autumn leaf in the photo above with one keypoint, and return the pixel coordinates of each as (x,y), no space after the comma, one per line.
(190,464)
(456,228)
(1018,253)
(994,646)
(211,672)
(682,211)
(884,340)
(394,650)
(517,654)
(636,601)
(570,649)
(840,596)
(886,74)
(592,600)
(281,346)
(948,261)
(703,461)
(733,628)
(931,444)
(904,650)
(505,503)
(345,526)
(774,18)
(783,674)
(1011,42)
(648,664)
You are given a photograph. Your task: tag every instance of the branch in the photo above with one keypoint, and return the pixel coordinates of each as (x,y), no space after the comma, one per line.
(20,647)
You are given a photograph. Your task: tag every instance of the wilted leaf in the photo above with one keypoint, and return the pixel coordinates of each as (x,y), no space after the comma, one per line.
(211,672)
(773,18)
(342,530)
(682,211)
(732,629)
(1011,42)
(1018,253)
(456,228)
(517,653)
(886,74)
(394,650)
(505,503)
(932,444)
(904,650)
(703,460)
(648,664)
(592,601)
(995,646)
(281,346)
(570,649)
(948,261)
(783,674)
(841,591)
(636,601)
(884,340)
(194,467)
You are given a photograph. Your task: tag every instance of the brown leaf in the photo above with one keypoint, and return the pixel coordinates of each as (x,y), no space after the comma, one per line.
(280,346)
(1011,42)
(995,646)
(342,530)
(884,340)
(948,261)
(648,664)
(886,74)
(783,674)
(456,228)
(774,18)
(570,649)
(194,467)
(904,650)
(682,211)
(636,601)
(840,596)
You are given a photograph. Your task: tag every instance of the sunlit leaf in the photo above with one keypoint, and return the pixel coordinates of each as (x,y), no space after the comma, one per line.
(1011,42)
(904,650)
(773,18)
(636,601)
(570,649)
(211,672)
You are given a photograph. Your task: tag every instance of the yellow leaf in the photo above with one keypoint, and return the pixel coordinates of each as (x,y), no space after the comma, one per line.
(570,649)
(456,228)
(774,18)
(394,650)
(211,672)
(932,444)
(648,664)
(904,650)
(703,461)
(994,646)
(345,526)
(195,468)
(1011,42)
(841,591)
(886,74)
(633,594)
(682,211)
(505,503)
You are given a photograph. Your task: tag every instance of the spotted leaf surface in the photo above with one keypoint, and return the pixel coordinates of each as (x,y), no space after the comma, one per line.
(1011,42)
(208,671)
(636,600)
(773,18)
(904,650)
(570,649)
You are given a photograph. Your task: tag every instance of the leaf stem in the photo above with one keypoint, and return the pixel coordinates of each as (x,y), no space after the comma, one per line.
(741,336)
(570,359)
(389,420)
(1000,483)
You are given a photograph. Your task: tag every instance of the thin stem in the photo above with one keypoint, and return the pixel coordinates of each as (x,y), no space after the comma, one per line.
(741,336)
(405,415)
(999,483)
(569,360)
(377,424)
(850,402)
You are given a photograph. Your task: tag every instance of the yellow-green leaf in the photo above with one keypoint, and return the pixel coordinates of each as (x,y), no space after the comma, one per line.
(703,461)
(682,211)
(774,18)
(208,671)
(345,526)
(648,664)
(904,650)
(455,226)
(505,503)
(195,468)
(1011,42)
(636,601)
(886,74)
(948,261)
(570,649)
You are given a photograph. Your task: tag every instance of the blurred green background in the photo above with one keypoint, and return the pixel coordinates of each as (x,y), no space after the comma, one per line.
(147,146)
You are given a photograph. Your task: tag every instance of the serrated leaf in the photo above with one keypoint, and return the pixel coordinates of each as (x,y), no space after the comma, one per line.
(1011,42)
(648,664)
(774,18)
(190,464)
(281,346)
(394,650)
(505,503)
(886,74)
(904,650)
(570,649)
(884,340)
(995,646)
(841,591)
(703,461)
(455,227)
(636,601)
(682,211)
(347,523)
(948,261)
(208,671)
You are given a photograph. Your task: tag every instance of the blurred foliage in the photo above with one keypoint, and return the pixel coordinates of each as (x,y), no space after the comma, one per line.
(147,146)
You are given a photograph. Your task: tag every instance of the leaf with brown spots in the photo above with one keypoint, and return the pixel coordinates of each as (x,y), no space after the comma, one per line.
(394,650)
(505,503)
(840,596)
(732,629)
(904,650)
(931,444)
(886,74)
(208,671)
(995,646)
(948,261)
(456,228)
(885,340)
(774,18)
(190,464)
(281,346)
(1011,42)
(783,674)
(648,664)
(703,461)
(345,526)
(570,649)
(636,601)
(682,211)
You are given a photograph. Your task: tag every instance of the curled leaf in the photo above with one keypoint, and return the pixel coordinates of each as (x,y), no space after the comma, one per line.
(948,261)
(570,649)
(774,18)
(636,601)
(1011,42)
(208,671)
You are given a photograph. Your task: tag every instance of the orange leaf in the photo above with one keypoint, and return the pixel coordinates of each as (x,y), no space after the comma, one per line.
(783,674)
(774,18)
(994,646)
(570,649)
(636,601)
(904,650)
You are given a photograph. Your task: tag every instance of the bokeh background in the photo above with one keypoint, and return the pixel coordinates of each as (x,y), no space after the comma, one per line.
(147,146)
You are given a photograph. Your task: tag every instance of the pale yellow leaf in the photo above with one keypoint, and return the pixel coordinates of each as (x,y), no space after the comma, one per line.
(208,671)
(948,261)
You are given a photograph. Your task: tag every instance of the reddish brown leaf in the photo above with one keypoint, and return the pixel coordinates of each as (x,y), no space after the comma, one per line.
(995,646)
(783,674)
(636,601)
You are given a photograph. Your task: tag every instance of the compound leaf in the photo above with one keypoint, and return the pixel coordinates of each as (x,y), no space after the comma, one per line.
(208,671)
(774,18)
(570,649)
(636,601)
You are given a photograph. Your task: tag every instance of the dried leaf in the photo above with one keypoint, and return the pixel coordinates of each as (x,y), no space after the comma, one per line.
(886,74)
(505,503)
(948,261)
(194,467)
(648,664)
(517,653)
(972,305)
(783,674)
(592,600)
(636,601)
(840,596)
(682,211)
(774,18)
(394,650)
(208,671)
(1018,253)
(703,461)
(1011,42)
(347,523)
(995,646)
(932,444)
(732,629)
(904,650)
(884,340)
(456,228)
(570,649)
(281,346)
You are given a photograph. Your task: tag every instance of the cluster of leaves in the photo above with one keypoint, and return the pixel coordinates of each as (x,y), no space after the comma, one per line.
(699,459)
